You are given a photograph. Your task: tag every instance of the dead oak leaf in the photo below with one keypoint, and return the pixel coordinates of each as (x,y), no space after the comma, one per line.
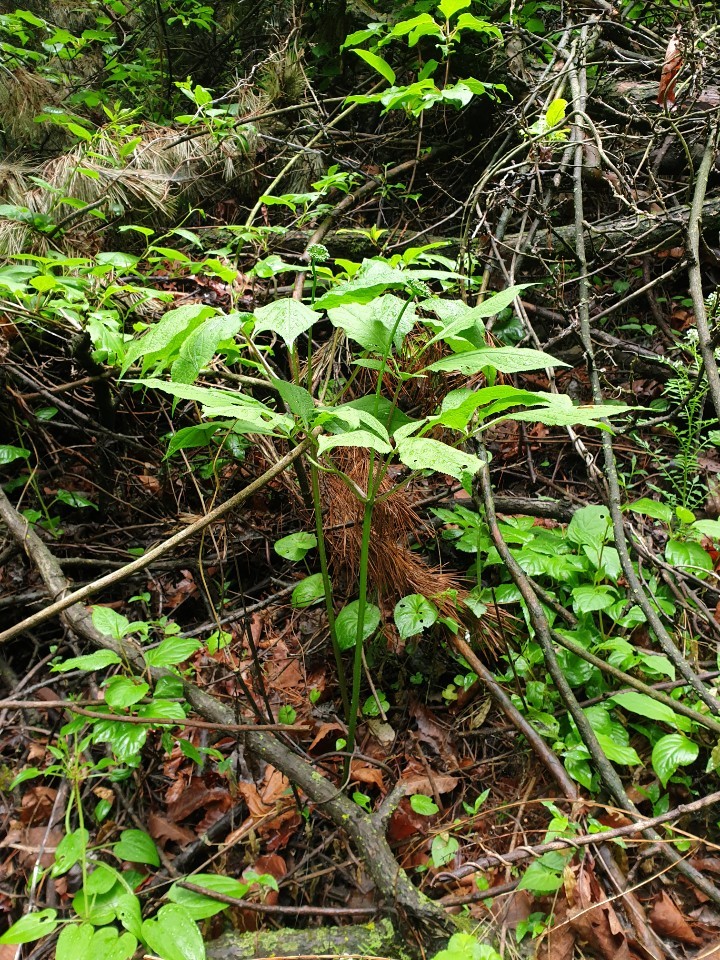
(594,920)
(667,920)
(164,830)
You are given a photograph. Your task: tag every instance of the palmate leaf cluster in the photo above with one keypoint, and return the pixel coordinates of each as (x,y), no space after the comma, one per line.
(376,322)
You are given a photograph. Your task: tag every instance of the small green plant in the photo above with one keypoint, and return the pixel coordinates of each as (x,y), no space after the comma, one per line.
(580,569)
(685,394)
(535,925)
(107,909)
(451,20)
(464,946)
(376,305)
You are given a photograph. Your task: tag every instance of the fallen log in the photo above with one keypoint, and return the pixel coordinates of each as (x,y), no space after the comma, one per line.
(626,236)
(360,940)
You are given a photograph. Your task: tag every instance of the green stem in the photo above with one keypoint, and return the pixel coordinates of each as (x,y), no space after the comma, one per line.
(327,587)
(372,486)
(362,603)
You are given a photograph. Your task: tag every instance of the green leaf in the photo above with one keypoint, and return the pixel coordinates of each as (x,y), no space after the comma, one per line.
(491,306)
(199,347)
(287,318)
(31,927)
(29,773)
(689,556)
(121,261)
(651,508)
(108,944)
(199,906)
(353,414)
(299,401)
(98,900)
(75,500)
(588,598)
(129,912)
(372,324)
(162,709)
(413,614)
(464,946)
(645,706)
(295,546)
(164,338)
(377,63)
(8,454)
(308,591)
(287,714)
(421,453)
(670,752)
(250,415)
(137,847)
(450,7)
(559,411)
(466,21)
(171,651)
(423,805)
(122,692)
(372,279)
(173,934)
(353,438)
(555,113)
(459,405)
(708,528)
(590,525)
(504,359)
(91,661)
(84,942)
(618,752)
(106,620)
(198,435)
(381,410)
(541,879)
(74,942)
(69,851)
(443,849)
(346,624)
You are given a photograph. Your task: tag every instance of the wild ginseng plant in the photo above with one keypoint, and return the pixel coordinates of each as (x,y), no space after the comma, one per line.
(377,307)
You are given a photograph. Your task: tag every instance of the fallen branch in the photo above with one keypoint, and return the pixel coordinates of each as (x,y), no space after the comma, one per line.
(366,831)
(117,576)
(629,830)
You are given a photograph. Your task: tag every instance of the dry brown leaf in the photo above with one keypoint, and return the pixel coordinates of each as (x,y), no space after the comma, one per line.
(324,730)
(513,909)
(421,783)
(195,796)
(667,920)
(31,840)
(37,804)
(273,864)
(670,69)
(257,808)
(160,828)
(362,773)
(405,823)
(432,732)
(594,920)
(276,785)
(709,953)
